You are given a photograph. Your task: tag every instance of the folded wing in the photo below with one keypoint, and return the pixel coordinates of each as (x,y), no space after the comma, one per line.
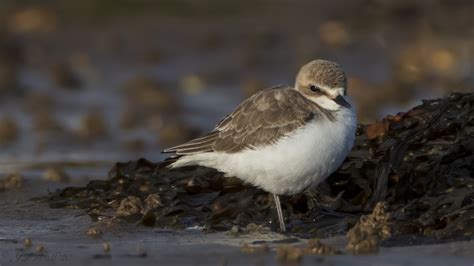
(261,120)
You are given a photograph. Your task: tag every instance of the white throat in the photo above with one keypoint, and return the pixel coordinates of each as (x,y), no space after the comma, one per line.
(326,103)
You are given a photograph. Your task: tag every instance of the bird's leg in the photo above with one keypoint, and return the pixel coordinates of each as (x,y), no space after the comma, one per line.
(280,213)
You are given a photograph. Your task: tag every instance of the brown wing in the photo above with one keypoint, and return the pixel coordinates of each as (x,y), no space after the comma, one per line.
(260,120)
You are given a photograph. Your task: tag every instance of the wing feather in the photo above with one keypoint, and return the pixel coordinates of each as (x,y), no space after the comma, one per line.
(260,120)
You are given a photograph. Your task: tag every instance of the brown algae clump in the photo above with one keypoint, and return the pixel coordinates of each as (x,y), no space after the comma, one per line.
(289,253)
(365,236)
(293,253)
(27,243)
(246,248)
(129,206)
(40,248)
(13,180)
(317,247)
(152,202)
(106,247)
(55,175)
(94,232)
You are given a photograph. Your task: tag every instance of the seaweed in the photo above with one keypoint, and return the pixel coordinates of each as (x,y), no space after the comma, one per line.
(421,163)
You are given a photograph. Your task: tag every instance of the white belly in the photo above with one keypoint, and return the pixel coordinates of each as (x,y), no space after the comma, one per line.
(301,160)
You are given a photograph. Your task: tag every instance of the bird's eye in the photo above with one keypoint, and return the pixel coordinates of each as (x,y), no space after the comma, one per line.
(314,88)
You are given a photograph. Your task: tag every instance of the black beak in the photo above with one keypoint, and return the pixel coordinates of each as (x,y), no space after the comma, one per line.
(341,101)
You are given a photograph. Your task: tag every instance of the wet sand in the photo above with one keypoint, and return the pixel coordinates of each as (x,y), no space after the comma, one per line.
(62,233)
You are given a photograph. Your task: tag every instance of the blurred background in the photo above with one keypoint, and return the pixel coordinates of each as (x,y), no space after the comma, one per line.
(101,81)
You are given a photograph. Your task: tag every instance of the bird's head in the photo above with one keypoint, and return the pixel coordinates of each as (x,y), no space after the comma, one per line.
(323,82)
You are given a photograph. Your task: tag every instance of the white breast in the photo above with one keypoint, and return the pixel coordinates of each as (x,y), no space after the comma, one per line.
(301,160)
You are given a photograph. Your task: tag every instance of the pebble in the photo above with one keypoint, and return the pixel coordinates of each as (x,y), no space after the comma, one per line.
(106,247)
(27,243)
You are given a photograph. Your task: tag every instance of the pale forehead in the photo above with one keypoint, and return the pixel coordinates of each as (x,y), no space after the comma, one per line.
(322,72)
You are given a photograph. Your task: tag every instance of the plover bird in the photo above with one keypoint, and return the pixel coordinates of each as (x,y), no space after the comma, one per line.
(282,139)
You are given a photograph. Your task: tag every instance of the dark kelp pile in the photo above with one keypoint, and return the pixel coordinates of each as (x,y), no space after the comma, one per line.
(419,163)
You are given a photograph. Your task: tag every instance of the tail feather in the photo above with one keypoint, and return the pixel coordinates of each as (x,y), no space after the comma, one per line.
(199,145)
(167,163)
